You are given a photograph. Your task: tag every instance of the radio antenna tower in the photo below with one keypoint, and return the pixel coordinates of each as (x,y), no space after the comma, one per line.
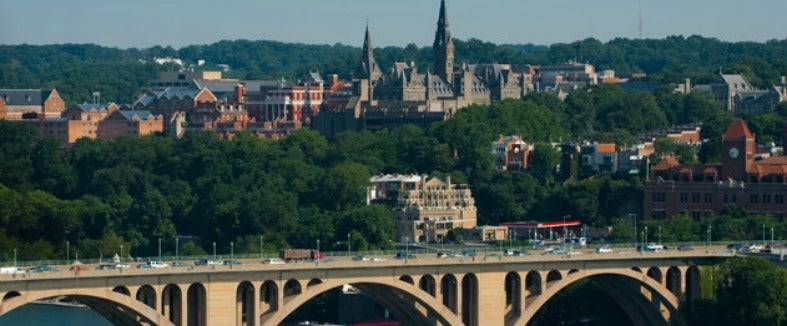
(640,20)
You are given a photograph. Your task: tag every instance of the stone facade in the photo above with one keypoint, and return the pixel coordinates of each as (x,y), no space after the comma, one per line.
(431,208)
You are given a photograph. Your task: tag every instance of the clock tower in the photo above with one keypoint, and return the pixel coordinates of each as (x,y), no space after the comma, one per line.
(737,151)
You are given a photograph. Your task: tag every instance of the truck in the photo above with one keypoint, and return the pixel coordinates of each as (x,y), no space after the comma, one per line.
(300,254)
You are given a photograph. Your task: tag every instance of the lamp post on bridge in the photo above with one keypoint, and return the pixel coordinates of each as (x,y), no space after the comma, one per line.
(349,246)
(177,246)
(634,221)
(709,234)
(262,246)
(68,251)
(214,251)
(159,249)
(232,251)
(763,235)
(645,235)
(659,233)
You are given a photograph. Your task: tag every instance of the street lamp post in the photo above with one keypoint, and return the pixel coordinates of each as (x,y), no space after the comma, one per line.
(159,248)
(709,234)
(177,246)
(262,247)
(121,252)
(232,250)
(214,251)
(634,221)
(349,246)
(645,235)
(14,257)
(68,251)
(763,234)
(772,243)
(659,233)
(318,246)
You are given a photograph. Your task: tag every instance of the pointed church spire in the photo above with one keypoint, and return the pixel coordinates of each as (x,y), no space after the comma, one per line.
(443,47)
(443,19)
(368,68)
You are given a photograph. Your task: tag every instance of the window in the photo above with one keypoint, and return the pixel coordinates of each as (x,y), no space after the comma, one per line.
(779,199)
(708,198)
(658,214)
(695,198)
(766,198)
(658,197)
(684,197)
(753,199)
(696,215)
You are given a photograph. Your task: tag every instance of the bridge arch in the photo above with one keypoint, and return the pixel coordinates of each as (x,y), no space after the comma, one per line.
(269,297)
(171,303)
(147,295)
(116,307)
(122,290)
(427,284)
(655,273)
(11,295)
(196,304)
(470,289)
(399,296)
(626,287)
(448,290)
(244,304)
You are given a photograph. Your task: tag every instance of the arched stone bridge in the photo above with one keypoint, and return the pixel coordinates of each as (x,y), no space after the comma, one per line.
(482,291)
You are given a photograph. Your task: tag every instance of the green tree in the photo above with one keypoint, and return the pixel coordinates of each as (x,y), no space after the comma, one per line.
(751,291)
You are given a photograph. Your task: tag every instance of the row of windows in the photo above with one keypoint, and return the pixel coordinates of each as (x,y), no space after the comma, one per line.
(684,197)
(697,215)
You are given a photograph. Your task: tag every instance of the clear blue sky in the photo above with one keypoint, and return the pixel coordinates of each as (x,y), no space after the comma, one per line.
(177,23)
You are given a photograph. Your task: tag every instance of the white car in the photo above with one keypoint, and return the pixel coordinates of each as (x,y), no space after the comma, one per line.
(273,261)
(604,250)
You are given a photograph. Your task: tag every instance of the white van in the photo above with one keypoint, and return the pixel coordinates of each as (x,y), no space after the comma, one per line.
(11,270)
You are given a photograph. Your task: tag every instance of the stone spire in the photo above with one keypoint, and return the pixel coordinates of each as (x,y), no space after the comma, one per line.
(443,47)
(368,68)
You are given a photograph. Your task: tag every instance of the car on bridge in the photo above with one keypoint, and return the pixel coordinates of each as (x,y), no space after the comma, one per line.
(405,255)
(604,250)
(42,269)
(274,261)
(232,262)
(206,262)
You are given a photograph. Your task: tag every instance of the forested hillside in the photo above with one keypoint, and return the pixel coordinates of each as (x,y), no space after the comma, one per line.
(77,70)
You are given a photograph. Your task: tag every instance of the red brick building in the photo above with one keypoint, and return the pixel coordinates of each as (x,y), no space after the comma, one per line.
(129,122)
(18,104)
(704,190)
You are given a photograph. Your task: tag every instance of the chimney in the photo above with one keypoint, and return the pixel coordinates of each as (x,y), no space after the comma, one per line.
(334,80)
(240,93)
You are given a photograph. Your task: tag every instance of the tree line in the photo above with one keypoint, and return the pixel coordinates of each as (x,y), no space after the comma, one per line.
(77,70)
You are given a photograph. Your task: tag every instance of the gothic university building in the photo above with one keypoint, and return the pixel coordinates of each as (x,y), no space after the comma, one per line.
(756,184)
(404,95)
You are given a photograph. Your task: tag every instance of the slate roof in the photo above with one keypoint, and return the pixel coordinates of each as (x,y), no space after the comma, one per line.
(737,82)
(141,114)
(24,96)
(87,107)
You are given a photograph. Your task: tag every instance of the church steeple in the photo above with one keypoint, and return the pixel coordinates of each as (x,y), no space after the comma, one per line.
(443,47)
(368,68)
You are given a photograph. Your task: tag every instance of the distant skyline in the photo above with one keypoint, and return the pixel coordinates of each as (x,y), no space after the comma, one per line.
(179,23)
